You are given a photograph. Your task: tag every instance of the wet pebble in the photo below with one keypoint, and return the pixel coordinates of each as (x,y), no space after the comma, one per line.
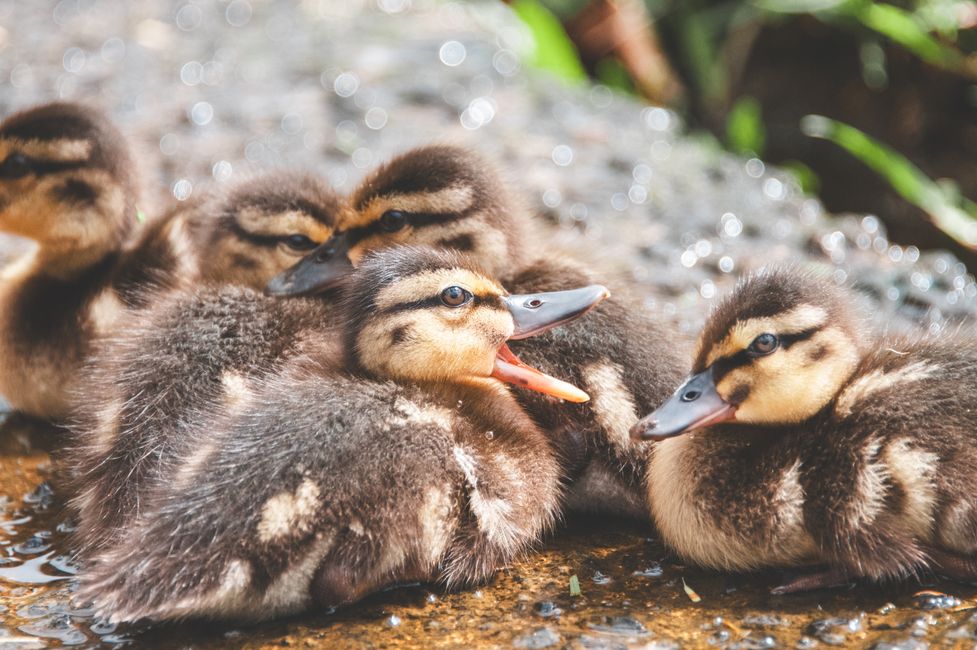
(834,631)
(622,625)
(928,600)
(541,638)
(651,571)
(547,609)
(32,546)
(57,627)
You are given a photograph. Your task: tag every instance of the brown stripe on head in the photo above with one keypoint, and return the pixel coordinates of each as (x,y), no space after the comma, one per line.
(442,196)
(783,299)
(261,226)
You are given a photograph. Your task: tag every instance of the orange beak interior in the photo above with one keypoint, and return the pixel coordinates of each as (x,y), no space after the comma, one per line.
(510,369)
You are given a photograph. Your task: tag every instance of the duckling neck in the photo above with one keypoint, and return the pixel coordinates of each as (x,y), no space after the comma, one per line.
(490,403)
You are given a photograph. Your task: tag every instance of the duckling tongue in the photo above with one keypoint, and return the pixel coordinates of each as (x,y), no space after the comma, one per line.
(510,369)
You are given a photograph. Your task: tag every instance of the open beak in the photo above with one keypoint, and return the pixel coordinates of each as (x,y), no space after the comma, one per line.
(534,314)
(697,404)
(318,271)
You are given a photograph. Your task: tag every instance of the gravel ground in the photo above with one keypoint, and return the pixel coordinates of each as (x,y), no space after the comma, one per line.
(214,90)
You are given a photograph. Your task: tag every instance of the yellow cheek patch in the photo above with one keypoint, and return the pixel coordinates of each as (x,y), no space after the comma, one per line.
(431,283)
(62,150)
(450,200)
(793,384)
(798,319)
(283,224)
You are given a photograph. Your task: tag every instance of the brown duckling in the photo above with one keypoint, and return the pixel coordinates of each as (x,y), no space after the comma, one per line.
(449,197)
(67,183)
(802,439)
(404,458)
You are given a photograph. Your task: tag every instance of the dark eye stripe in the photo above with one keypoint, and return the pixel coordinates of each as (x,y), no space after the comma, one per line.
(45,167)
(490,301)
(268,241)
(724,365)
(415,219)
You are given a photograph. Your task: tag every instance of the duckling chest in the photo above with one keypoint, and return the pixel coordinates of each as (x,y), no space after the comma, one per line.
(729,509)
(44,335)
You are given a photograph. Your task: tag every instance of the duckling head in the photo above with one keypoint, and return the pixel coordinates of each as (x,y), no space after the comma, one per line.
(262,226)
(774,352)
(440,196)
(420,315)
(66,182)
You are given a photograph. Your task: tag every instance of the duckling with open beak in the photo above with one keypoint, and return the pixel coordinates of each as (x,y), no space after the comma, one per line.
(331,476)
(450,198)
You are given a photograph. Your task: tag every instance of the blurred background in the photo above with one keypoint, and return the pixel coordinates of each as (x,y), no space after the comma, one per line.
(895,80)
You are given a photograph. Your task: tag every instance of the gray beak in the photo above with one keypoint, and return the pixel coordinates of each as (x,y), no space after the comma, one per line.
(318,271)
(537,312)
(696,404)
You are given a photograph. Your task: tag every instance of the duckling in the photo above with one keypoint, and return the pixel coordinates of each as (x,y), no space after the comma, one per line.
(449,197)
(66,182)
(244,235)
(810,441)
(403,458)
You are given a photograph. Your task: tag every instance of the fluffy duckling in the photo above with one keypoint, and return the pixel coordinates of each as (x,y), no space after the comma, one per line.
(449,197)
(244,235)
(810,441)
(66,182)
(405,458)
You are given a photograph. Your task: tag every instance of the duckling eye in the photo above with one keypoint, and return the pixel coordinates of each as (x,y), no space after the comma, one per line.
(16,165)
(300,243)
(455,296)
(393,220)
(764,344)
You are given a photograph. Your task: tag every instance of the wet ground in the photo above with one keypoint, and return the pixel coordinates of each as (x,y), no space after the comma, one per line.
(596,583)
(211,90)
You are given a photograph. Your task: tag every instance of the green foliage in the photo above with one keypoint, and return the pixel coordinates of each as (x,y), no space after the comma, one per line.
(951,213)
(553,52)
(908,29)
(745,132)
(804,175)
(613,74)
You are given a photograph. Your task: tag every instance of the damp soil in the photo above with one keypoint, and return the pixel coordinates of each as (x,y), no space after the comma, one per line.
(594,583)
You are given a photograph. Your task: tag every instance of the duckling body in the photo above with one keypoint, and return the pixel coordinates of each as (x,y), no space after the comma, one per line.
(396,457)
(835,447)
(66,182)
(448,197)
(627,362)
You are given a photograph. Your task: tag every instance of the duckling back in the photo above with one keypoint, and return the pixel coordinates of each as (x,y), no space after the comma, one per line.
(164,368)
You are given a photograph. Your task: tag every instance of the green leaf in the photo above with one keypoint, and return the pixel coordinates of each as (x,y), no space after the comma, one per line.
(900,26)
(955,216)
(745,132)
(574,585)
(804,175)
(613,74)
(553,49)
(799,6)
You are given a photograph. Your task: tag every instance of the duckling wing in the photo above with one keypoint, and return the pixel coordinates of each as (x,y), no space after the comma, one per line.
(315,491)
(890,475)
(148,386)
